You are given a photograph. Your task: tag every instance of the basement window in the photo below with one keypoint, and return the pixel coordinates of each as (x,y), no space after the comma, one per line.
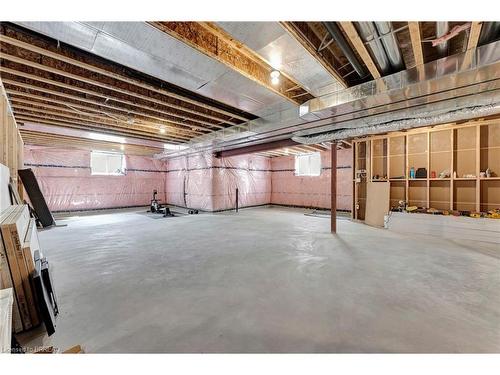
(308,164)
(107,163)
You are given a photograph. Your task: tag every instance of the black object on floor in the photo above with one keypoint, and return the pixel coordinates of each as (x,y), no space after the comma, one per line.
(36,197)
(43,298)
(49,285)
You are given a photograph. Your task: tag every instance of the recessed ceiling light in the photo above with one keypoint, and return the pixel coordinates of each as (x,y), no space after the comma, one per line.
(162,129)
(122,147)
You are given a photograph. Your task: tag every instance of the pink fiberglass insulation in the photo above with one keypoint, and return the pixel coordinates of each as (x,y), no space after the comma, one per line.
(312,191)
(189,181)
(68,185)
(204,182)
(250,174)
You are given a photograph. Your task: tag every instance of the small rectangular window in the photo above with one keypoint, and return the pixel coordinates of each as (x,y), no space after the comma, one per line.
(308,164)
(107,163)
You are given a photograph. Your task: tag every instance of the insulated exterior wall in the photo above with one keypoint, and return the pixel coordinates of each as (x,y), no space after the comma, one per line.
(312,191)
(68,185)
(207,183)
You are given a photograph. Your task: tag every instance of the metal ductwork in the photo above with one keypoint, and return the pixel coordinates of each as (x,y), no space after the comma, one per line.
(382,44)
(441,29)
(390,45)
(419,120)
(369,35)
(490,32)
(338,37)
(456,87)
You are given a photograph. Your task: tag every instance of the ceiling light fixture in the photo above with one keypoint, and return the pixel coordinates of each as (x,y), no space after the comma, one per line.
(275,74)
(162,129)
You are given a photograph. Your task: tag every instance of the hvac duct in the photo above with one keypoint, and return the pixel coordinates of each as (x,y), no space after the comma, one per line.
(490,32)
(369,35)
(403,124)
(390,45)
(441,29)
(338,37)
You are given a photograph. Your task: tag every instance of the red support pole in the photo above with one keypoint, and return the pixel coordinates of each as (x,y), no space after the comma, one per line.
(333,188)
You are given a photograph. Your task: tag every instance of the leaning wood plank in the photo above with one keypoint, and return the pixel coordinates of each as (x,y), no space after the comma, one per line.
(377,202)
(10,247)
(6,277)
(18,233)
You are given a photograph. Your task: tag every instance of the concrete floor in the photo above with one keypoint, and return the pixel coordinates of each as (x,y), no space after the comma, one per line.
(268,280)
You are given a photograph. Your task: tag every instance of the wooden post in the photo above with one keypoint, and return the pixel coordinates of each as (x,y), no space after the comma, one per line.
(333,188)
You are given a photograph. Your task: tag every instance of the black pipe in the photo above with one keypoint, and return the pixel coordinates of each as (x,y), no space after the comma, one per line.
(236,199)
(338,37)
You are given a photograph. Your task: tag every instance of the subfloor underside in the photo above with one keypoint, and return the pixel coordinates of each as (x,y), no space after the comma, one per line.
(268,280)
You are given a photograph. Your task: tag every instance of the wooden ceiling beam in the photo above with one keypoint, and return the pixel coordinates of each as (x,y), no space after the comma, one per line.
(96,94)
(359,46)
(99,115)
(416,42)
(89,81)
(21,109)
(95,69)
(22,118)
(56,140)
(94,104)
(211,40)
(474,33)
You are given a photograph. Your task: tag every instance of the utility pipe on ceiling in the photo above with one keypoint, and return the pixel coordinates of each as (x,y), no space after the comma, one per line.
(390,45)
(490,32)
(338,37)
(369,35)
(442,28)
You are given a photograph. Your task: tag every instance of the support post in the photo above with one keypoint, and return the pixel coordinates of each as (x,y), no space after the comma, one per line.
(333,188)
(237,198)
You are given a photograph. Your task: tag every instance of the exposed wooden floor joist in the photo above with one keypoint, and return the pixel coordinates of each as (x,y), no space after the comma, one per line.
(63,141)
(416,42)
(67,85)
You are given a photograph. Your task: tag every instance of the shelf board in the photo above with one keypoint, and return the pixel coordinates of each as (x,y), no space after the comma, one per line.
(440,179)
(397,179)
(417,153)
(489,178)
(490,147)
(465,149)
(465,178)
(440,152)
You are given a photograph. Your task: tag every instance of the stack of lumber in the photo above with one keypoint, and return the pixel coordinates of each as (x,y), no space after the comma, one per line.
(6,301)
(19,241)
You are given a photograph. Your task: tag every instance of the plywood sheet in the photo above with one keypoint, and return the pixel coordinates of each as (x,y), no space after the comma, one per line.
(377,203)
(440,195)
(4,187)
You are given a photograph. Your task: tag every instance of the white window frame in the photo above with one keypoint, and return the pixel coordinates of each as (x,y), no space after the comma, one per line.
(311,157)
(107,173)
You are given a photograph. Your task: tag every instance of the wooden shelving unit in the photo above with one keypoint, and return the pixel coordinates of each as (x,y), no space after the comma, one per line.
(458,152)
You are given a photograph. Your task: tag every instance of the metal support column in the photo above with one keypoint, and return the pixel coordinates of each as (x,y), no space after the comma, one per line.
(333,188)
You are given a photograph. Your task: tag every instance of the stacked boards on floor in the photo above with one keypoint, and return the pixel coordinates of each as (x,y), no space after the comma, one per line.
(18,246)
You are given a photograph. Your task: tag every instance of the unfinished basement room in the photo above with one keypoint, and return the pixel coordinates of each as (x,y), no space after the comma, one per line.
(250,187)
